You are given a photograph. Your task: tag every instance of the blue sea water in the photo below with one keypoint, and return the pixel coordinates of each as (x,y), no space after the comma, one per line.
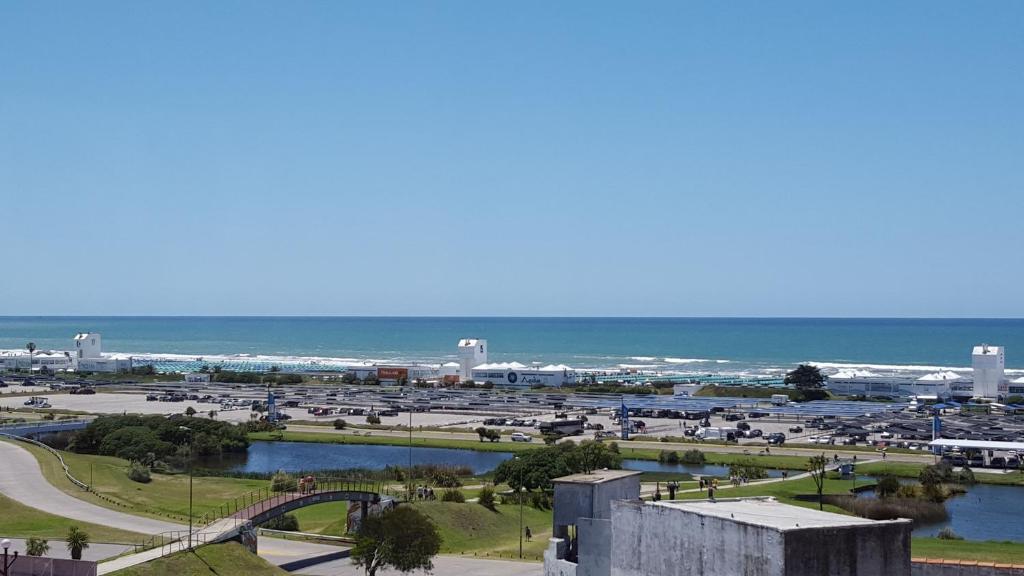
(698,344)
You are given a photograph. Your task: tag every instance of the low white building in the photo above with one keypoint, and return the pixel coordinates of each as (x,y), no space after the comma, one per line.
(516,375)
(864,383)
(39,361)
(105,364)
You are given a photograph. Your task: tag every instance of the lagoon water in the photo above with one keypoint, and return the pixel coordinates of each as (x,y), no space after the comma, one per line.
(308,456)
(690,344)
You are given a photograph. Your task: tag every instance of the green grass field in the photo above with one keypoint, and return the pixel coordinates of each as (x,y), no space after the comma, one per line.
(165,497)
(468,528)
(20,521)
(1007,552)
(212,560)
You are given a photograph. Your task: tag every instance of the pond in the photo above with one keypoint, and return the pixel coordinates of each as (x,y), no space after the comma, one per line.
(309,456)
(985,512)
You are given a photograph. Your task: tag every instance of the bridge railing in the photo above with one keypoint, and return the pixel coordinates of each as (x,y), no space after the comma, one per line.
(241,509)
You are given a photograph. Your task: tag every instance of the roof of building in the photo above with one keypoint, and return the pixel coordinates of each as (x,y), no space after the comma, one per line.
(978,444)
(84,335)
(770,513)
(468,342)
(948,375)
(500,366)
(596,477)
(986,350)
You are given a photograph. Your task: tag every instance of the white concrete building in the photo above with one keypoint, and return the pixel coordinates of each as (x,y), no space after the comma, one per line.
(88,345)
(516,375)
(989,363)
(472,353)
(39,361)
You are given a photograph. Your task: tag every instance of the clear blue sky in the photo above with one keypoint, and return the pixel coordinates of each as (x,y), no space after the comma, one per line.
(517,158)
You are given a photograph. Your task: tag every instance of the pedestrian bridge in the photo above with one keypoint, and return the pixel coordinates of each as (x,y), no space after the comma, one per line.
(236,519)
(28,429)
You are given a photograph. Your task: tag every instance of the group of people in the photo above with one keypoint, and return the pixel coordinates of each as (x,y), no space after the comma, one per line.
(307,485)
(710,485)
(425,493)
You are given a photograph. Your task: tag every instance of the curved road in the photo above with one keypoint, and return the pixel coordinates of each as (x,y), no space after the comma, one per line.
(22,480)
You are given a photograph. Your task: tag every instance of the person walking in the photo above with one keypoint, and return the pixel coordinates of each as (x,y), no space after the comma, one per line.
(528,534)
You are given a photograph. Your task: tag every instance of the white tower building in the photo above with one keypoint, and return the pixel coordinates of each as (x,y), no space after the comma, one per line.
(989,364)
(88,345)
(472,352)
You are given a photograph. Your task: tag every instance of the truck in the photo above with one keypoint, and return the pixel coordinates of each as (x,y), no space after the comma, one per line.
(780,399)
(716,433)
(562,427)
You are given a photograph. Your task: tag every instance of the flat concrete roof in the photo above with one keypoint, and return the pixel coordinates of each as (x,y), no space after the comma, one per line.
(770,513)
(979,444)
(596,477)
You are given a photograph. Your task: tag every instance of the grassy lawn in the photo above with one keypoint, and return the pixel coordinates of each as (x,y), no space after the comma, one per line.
(909,470)
(20,521)
(212,560)
(165,497)
(468,528)
(1008,552)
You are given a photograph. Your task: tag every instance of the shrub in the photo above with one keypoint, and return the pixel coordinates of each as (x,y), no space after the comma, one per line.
(668,457)
(282,481)
(453,495)
(887,486)
(692,456)
(915,509)
(540,500)
(748,469)
(138,473)
(948,534)
(36,546)
(285,522)
(373,419)
(486,498)
(340,424)
(444,479)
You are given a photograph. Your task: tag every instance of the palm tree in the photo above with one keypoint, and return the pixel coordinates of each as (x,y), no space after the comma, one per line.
(31,346)
(77,541)
(36,546)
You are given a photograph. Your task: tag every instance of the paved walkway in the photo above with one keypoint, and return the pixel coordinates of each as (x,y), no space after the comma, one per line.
(22,480)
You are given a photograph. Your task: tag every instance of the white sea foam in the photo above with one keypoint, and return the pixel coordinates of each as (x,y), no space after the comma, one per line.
(671,360)
(643,358)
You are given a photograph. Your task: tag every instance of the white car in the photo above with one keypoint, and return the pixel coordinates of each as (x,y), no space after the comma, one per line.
(520,437)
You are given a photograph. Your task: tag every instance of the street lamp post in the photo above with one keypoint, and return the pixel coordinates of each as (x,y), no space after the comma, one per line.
(519,491)
(189,430)
(7,560)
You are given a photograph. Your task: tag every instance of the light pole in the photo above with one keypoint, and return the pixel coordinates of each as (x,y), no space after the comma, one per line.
(408,490)
(519,468)
(189,430)
(7,562)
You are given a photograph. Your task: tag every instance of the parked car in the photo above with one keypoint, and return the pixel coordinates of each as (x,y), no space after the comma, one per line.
(755,433)
(734,417)
(520,437)
(742,426)
(776,438)
(796,429)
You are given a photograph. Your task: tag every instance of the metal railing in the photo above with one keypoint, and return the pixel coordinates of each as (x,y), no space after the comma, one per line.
(233,513)
(67,471)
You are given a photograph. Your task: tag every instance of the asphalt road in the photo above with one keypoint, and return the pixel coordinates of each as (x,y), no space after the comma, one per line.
(22,480)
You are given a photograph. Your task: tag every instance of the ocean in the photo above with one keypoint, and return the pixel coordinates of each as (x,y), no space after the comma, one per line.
(698,345)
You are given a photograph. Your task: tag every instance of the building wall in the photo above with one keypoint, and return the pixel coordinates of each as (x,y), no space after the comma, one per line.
(524,378)
(105,365)
(849,550)
(989,371)
(661,541)
(472,352)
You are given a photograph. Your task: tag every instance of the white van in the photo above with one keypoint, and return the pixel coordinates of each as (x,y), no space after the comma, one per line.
(520,437)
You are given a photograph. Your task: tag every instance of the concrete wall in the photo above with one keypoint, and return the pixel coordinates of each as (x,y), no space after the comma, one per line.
(595,554)
(553,563)
(661,541)
(580,500)
(963,568)
(849,550)
(39,566)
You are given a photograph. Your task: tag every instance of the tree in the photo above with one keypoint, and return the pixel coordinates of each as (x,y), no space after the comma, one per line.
(816,466)
(36,546)
(806,377)
(77,541)
(339,424)
(887,486)
(373,419)
(212,414)
(481,432)
(190,411)
(31,346)
(403,539)
(809,380)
